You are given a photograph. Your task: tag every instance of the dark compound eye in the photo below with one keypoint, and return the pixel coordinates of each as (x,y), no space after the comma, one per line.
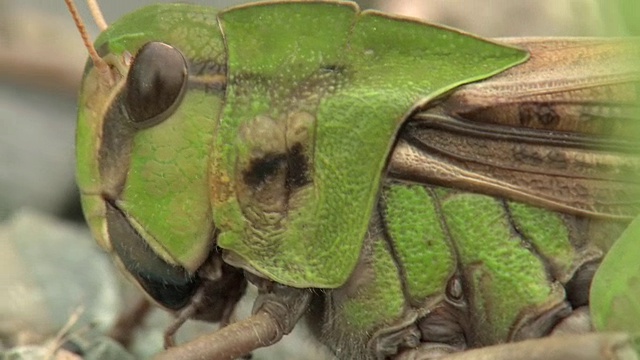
(155,83)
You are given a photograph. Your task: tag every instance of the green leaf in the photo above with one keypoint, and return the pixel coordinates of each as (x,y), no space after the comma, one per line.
(615,291)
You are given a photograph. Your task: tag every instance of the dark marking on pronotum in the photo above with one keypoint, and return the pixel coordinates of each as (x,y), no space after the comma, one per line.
(260,170)
(297,168)
(294,162)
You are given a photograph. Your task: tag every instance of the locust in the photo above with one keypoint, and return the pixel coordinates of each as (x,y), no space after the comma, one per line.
(413,191)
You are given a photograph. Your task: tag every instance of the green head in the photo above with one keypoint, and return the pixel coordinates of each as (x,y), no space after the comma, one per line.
(143,139)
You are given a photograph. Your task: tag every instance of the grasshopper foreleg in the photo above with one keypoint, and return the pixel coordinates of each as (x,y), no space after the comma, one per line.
(275,314)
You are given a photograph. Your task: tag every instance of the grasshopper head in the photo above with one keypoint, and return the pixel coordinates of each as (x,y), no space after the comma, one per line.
(143,142)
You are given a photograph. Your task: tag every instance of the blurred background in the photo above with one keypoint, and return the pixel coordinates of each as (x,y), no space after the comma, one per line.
(49,264)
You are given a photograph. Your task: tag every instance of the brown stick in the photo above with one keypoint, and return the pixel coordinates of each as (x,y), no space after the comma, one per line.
(591,346)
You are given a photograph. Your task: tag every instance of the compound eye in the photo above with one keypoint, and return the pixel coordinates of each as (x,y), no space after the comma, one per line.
(155,84)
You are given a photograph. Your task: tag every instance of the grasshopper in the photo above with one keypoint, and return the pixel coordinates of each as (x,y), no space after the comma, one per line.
(412,190)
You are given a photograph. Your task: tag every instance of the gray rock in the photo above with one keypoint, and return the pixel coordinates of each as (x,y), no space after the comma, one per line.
(50,270)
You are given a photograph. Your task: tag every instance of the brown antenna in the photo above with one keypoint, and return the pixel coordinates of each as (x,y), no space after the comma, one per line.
(101,66)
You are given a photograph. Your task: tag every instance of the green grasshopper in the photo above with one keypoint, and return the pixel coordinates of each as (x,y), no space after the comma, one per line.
(414,191)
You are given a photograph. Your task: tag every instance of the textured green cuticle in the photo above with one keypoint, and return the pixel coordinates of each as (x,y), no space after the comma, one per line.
(415,229)
(548,234)
(174,155)
(379,301)
(504,276)
(191,28)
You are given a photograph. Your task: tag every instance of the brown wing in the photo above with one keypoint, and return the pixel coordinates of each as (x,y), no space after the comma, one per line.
(559,131)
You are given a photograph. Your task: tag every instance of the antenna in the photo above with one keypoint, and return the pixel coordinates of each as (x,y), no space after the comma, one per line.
(101,66)
(97,14)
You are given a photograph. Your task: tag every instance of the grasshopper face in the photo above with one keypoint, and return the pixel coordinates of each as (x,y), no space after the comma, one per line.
(143,146)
